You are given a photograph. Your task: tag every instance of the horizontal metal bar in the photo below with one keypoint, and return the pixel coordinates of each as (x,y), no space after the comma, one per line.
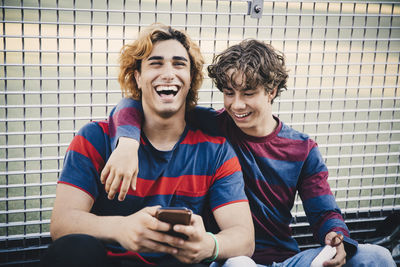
(30,159)
(34,146)
(331,156)
(276,39)
(171,12)
(366,187)
(375,75)
(90,105)
(207,89)
(94,118)
(30,172)
(355,210)
(375,165)
(380,143)
(341,51)
(93,105)
(366,144)
(314,27)
(9,186)
(3,199)
(25,211)
(314,135)
(360,198)
(335,99)
(339,122)
(354,133)
(324,64)
(27,223)
(60,132)
(364,155)
(63,92)
(14,224)
(333,178)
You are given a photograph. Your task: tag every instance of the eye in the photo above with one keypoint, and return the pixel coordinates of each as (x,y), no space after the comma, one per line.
(180,63)
(228,93)
(155,63)
(249,94)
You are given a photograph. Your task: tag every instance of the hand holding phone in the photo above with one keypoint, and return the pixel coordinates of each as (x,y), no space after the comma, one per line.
(175,215)
(326,254)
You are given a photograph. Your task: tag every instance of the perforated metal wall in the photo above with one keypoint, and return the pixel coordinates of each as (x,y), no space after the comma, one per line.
(58,69)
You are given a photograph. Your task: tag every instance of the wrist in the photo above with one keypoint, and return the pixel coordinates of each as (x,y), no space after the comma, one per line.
(127,141)
(215,250)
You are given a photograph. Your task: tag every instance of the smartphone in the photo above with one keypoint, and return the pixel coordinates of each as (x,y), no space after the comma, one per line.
(175,215)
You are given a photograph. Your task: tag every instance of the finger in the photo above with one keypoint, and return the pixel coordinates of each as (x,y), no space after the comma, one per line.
(109,180)
(152,210)
(114,187)
(329,236)
(163,237)
(104,173)
(124,187)
(153,246)
(189,231)
(134,181)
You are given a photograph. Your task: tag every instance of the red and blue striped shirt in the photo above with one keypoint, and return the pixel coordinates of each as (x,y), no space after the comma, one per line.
(200,171)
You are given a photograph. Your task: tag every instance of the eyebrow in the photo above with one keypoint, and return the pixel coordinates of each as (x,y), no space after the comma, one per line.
(173,58)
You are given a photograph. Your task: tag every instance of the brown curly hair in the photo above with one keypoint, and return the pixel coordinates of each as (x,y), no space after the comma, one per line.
(132,55)
(259,62)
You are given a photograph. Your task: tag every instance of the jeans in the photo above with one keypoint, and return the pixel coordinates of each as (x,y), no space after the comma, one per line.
(79,250)
(366,255)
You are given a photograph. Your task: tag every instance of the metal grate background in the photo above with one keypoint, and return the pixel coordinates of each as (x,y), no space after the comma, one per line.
(58,69)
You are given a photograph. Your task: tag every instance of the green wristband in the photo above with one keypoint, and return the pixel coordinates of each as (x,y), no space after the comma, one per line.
(211,259)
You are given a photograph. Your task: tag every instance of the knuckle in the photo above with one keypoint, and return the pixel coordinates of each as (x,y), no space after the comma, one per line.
(123,190)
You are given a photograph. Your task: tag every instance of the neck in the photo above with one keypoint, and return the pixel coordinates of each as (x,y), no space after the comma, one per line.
(266,127)
(164,133)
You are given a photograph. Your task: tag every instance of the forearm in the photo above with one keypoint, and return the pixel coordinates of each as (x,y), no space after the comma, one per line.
(235,241)
(82,222)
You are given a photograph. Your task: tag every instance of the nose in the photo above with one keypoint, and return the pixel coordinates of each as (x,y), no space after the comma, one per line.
(168,72)
(238,103)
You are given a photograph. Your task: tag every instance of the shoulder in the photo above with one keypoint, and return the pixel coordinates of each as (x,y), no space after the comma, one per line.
(197,136)
(93,135)
(95,128)
(299,144)
(290,133)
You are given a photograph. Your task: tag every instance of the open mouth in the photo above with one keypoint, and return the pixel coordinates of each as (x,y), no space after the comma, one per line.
(243,115)
(170,91)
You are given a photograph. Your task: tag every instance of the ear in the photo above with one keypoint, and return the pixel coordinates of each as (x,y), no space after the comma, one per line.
(272,94)
(138,78)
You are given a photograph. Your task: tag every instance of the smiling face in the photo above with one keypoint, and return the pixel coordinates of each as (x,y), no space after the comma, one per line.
(165,79)
(251,109)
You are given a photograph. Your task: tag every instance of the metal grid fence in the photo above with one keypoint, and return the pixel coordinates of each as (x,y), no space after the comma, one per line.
(58,69)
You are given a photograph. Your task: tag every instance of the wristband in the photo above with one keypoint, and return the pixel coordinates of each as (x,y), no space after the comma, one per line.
(216,249)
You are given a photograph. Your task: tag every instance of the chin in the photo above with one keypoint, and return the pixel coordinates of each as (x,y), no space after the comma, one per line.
(167,113)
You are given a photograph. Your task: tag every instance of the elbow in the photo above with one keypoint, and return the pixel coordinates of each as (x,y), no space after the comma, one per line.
(54,232)
(56,228)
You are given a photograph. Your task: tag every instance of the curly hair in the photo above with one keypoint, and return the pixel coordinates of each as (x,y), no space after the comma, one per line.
(259,63)
(132,55)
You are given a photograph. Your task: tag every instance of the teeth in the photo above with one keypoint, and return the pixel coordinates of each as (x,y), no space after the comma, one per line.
(167,88)
(242,115)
